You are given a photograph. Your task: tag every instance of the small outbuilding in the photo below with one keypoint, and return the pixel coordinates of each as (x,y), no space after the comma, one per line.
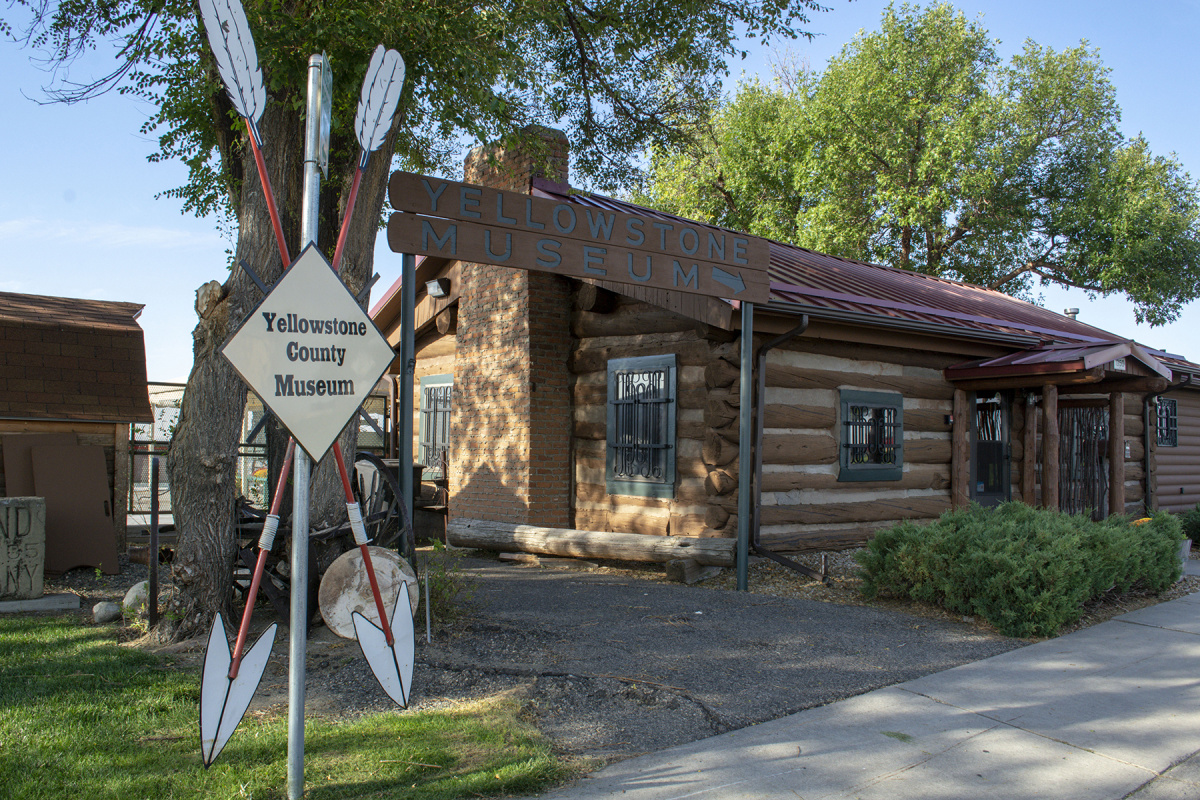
(72,380)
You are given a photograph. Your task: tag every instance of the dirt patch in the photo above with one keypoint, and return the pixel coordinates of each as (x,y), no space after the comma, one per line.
(617,661)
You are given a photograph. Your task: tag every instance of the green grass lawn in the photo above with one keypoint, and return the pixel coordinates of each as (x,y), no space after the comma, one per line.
(81,717)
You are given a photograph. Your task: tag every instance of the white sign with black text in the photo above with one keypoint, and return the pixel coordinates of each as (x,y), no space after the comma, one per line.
(310,352)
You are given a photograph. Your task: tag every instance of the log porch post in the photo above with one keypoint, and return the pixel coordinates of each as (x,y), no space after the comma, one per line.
(1029,457)
(960,458)
(1050,446)
(1116,453)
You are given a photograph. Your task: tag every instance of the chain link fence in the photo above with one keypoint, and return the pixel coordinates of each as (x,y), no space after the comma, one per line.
(148,440)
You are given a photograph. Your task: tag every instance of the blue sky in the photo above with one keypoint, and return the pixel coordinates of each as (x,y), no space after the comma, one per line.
(79,218)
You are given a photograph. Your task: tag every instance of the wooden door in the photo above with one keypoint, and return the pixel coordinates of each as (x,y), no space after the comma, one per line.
(79,509)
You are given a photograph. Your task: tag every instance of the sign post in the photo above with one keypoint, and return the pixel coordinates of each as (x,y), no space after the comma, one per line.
(308,317)
(745,457)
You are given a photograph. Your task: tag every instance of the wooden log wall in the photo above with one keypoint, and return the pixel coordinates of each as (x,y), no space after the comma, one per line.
(1177,469)
(1174,472)
(804,505)
(1137,453)
(608,327)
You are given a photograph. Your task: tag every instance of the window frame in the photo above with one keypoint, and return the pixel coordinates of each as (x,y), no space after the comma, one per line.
(431,471)
(638,486)
(1171,428)
(849,471)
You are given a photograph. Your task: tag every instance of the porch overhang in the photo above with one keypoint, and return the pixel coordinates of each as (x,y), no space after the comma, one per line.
(1072,367)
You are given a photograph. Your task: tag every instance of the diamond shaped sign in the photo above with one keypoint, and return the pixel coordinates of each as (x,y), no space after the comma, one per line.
(310,352)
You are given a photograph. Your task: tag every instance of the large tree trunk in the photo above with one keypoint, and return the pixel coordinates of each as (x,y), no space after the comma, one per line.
(203,454)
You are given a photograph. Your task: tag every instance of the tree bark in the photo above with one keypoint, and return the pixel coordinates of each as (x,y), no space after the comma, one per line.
(203,455)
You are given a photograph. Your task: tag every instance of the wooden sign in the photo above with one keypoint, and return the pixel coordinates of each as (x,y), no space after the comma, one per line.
(490,226)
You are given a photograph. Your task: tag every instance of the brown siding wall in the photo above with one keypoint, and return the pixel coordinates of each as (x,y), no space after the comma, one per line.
(1178,468)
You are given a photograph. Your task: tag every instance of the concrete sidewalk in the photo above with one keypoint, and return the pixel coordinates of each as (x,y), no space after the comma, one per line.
(1096,715)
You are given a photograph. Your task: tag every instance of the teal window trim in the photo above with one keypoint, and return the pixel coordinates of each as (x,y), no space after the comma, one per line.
(871,436)
(425,436)
(640,451)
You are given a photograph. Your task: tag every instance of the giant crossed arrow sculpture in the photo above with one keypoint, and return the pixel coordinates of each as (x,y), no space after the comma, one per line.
(232,675)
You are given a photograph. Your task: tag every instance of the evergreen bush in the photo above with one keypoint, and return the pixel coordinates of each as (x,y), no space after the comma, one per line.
(1191,524)
(1028,571)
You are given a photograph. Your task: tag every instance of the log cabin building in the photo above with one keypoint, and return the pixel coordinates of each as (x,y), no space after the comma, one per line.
(885,395)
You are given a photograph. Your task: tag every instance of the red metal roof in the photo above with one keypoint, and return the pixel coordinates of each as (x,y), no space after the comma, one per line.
(827,286)
(1057,358)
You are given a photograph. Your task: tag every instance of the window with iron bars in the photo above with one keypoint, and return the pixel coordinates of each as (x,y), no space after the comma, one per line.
(433,439)
(872,436)
(641,426)
(1168,422)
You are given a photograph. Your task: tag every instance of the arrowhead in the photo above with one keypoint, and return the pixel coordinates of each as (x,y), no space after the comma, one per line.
(731,279)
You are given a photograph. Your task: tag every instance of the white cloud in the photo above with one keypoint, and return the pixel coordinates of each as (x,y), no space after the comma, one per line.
(34,231)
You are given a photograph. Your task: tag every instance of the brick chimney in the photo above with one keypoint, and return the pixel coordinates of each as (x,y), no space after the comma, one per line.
(511,456)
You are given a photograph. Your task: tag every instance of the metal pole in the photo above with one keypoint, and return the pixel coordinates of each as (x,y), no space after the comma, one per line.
(298,632)
(408,294)
(745,432)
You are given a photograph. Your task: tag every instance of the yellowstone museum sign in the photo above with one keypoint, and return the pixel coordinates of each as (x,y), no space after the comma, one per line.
(474,223)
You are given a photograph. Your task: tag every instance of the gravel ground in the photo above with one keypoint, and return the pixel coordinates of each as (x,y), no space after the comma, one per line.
(615,661)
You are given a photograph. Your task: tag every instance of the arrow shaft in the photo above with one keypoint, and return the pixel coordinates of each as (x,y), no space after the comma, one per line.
(385,625)
(264,549)
(342,234)
(270,196)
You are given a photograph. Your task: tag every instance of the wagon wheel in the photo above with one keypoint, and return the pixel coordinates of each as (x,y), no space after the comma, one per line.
(384,514)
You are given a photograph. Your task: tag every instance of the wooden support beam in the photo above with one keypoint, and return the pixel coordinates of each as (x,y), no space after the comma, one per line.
(1050,446)
(1116,453)
(596,299)
(502,536)
(1029,457)
(960,452)
(1154,384)
(121,482)
(1087,379)
(447,320)
(689,571)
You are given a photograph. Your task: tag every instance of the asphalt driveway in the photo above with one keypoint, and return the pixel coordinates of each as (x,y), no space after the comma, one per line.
(615,666)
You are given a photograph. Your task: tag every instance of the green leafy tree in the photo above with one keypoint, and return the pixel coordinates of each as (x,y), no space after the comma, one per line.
(918,147)
(616,75)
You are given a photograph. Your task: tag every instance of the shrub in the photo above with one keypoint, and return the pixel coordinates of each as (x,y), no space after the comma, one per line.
(1027,571)
(1191,523)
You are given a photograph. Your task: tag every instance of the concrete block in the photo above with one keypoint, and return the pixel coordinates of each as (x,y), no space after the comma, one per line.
(23,554)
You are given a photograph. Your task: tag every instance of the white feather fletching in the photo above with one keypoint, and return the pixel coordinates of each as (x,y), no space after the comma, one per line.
(237,60)
(380,95)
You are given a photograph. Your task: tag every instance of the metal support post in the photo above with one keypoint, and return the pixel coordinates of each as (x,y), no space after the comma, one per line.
(745,459)
(408,294)
(298,633)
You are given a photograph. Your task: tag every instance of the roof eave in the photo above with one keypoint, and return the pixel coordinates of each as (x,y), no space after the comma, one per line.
(892,323)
